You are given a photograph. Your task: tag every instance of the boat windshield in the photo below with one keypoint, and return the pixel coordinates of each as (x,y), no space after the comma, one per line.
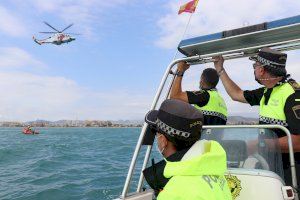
(249,148)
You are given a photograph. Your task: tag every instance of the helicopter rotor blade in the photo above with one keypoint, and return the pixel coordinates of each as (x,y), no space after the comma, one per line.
(67,27)
(52,27)
(48,32)
(73,33)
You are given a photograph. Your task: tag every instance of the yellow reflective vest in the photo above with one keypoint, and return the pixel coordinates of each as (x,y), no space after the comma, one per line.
(215,107)
(197,176)
(273,112)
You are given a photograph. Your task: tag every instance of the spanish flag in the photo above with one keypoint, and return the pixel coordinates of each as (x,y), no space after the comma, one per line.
(188,7)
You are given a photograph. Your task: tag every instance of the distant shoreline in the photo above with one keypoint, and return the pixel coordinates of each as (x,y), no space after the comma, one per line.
(37,127)
(232,120)
(74,123)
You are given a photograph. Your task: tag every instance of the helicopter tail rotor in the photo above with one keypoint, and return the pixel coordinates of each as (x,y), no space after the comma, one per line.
(35,40)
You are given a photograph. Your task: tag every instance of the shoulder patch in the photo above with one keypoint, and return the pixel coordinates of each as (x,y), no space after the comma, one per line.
(198,92)
(296,110)
(234,185)
(295,85)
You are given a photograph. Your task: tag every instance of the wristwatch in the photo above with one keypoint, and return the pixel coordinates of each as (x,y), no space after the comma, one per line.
(221,71)
(179,73)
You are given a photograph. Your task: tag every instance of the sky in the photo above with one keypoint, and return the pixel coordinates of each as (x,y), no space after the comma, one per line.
(113,69)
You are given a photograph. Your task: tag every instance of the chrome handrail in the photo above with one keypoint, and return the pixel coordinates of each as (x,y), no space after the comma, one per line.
(145,126)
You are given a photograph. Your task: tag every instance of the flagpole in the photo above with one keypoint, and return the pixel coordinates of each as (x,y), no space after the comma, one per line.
(170,86)
(184,32)
(175,55)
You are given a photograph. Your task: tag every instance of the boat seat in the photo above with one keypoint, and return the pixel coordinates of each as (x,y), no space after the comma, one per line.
(236,151)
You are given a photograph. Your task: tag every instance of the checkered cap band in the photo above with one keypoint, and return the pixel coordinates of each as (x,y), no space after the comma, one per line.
(215,114)
(273,121)
(170,130)
(268,62)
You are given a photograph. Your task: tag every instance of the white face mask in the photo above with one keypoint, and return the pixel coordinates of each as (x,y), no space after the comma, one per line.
(157,147)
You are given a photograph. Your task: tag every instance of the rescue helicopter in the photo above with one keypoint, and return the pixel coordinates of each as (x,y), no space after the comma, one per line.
(58,37)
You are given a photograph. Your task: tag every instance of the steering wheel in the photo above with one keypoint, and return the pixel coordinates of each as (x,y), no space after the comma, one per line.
(255,158)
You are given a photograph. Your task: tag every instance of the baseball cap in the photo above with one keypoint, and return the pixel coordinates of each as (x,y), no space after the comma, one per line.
(273,60)
(180,122)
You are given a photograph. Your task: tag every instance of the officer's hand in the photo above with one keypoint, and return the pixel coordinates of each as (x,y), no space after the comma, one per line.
(182,66)
(218,62)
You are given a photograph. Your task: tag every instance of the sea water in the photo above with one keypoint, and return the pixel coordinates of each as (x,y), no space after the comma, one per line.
(66,163)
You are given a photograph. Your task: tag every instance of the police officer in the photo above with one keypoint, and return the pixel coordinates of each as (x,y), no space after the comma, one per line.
(278,99)
(207,99)
(192,168)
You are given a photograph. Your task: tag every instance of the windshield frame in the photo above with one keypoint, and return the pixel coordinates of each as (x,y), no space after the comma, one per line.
(284,129)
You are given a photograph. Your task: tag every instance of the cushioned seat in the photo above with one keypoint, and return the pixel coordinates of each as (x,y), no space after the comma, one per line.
(236,151)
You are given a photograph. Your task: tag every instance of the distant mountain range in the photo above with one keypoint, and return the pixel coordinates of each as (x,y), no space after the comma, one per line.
(72,123)
(232,120)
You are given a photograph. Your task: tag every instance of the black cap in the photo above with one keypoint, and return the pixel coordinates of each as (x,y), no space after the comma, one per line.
(180,122)
(275,61)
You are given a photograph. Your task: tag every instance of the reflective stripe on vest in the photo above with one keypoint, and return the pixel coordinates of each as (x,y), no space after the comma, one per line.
(215,106)
(273,112)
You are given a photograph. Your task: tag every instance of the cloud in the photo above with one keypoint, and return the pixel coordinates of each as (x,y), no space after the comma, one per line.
(30,96)
(85,14)
(14,57)
(51,6)
(216,16)
(117,105)
(11,24)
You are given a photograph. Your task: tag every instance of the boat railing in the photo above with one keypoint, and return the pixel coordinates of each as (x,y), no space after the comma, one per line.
(168,72)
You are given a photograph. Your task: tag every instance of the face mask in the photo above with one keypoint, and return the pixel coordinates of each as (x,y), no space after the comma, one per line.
(157,147)
(200,84)
(202,88)
(257,80)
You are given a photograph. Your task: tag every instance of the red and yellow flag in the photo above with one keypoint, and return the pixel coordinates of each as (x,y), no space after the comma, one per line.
(188,7)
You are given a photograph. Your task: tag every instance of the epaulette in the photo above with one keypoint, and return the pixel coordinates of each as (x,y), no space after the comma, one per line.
(295,85)
(295,104)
